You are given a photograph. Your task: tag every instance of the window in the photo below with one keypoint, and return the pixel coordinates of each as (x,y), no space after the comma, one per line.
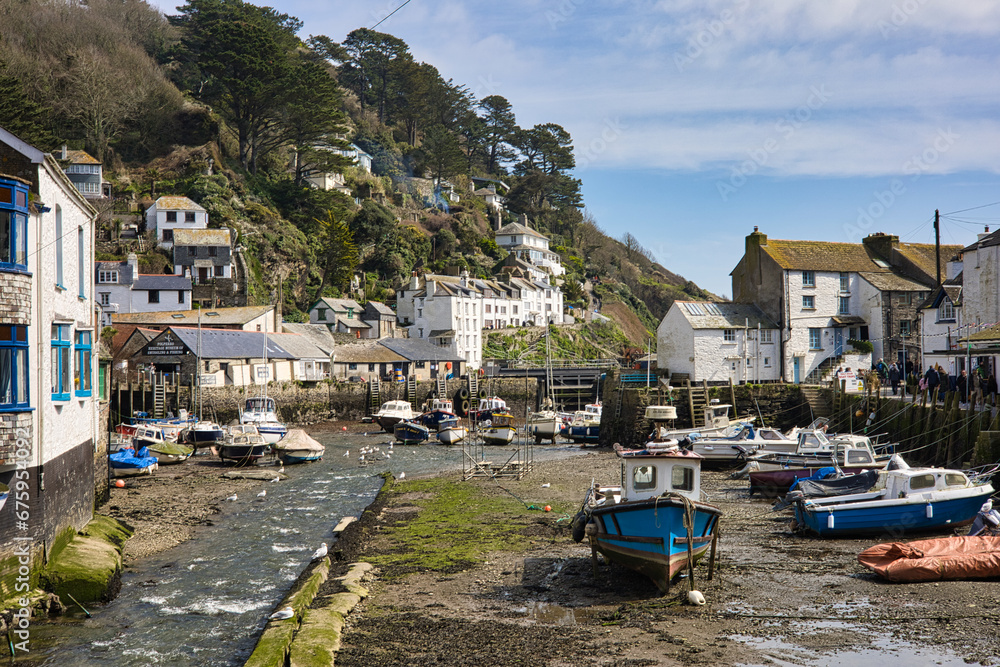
(809,302)
(171,216)
(815,338)
(644,477)
(922,482)
(767,362)
(105,298)
(110,277)
(352,367)
(321,314)
(213,251)
(371,368)
(682,478)
(13,225)
(189,217)
(859,457)
(180,296)
(955,479)
(489,308)
(81,377)
(513,310)
(60,362)
(845,282)
(904,327)
(844,305)
(904,298)
(13,367)
(420,364)
(946,311)
(154,296)
(749,362)
(766,336)
(168,235)
(729,335)
(220,272)
(59,246)
(81,259)
(809,279)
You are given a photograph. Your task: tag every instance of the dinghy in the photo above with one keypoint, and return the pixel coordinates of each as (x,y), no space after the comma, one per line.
(298,447)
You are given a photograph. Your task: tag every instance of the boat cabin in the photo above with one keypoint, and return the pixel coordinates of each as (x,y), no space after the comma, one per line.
(443,404)
(648,474)
(494,403)
(259,405)
(817,442)
(918,481)
(396,407)
(717,415)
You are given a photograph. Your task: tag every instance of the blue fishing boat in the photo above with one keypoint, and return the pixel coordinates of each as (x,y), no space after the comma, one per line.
(904,501)
(439,417)
(585,426)
(411,433)
(655,523)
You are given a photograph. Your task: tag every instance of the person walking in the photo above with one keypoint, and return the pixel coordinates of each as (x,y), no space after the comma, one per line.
(991,389)
(962,385)
(894,375)
(932,378)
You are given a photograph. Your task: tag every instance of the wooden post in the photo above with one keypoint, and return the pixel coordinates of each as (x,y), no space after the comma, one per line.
(711,553)
(732,397)
(691,403)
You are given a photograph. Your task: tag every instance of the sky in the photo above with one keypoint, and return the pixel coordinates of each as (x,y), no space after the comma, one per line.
(695,120)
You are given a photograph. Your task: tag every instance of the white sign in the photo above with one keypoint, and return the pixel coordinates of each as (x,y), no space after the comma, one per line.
(850,380)
(263,372)
(206,379)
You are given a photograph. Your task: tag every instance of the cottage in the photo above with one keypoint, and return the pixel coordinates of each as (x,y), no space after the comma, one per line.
(205,256)
(170,213)
(122,289)
(85,172)
(245,318)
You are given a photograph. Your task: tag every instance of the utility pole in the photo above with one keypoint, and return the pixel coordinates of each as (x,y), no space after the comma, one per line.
(937,245)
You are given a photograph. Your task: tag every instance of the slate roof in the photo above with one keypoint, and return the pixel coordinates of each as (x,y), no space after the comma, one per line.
(518,228)
(338,305)
(224,316)
(78,157)
(729,316)
(300,347)
(985,242)
(317,333)
(231,343)
(414,349)
(201,237)
(990,334)
(367,353)
(352,324)
(176,203)
(848,257)
(124,270)
(380,308)
(949,289)
(164,282)
(892,282)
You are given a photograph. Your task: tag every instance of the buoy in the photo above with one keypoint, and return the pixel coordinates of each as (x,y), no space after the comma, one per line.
(120,483)
(548,508)
(696,598)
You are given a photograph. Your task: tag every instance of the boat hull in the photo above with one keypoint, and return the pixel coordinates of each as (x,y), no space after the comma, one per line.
(649,536)
(172,456)
(544,429)
(775,483)
(134,472)
(293,456)
(452,435)
(271,433)
(388,422)
(242,454)
(499,435)
(584,433)
(893,517)
(411,434)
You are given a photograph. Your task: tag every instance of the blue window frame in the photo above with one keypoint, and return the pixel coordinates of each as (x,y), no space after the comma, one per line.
(13,225)
(82,372)
(815,338)
(14,394)
(60,362)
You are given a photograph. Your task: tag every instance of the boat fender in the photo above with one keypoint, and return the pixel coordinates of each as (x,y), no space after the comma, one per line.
(929,511)
(482,393)
(463,394)
(463,408)
(829,521)
(579,526)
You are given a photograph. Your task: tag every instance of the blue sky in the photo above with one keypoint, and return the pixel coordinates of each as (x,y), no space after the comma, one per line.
(694,120)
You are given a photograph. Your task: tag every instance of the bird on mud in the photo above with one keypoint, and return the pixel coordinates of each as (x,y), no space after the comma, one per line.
(276,479)
(321,552)
(347,453)
(262,494)
(282,614)
(232,497)
(402,475)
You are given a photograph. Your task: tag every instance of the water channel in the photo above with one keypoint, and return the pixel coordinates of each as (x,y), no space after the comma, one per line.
(205,601)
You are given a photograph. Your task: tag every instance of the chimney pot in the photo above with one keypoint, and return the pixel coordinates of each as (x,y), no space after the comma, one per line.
(64,156)
(755,229)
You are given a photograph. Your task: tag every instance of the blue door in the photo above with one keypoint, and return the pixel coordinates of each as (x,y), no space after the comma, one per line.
(795,370)
(838,342)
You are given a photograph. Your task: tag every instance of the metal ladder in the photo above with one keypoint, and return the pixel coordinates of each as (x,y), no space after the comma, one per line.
(159,398)
(411,391)
(442,387)
(374,398)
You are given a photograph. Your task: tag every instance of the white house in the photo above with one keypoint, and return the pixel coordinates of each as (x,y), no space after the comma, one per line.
(85,172)
(981,279)
(525,243)
(49,333)
(942,327)
(719,342)
(447,311)
(174,212)
(122,289)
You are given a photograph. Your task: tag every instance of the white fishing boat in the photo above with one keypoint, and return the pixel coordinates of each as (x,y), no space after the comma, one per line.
(737,447)
(393,412)
(452,435)
(546,423)
(716,423)
(499,430)
(243,445)
(261,413)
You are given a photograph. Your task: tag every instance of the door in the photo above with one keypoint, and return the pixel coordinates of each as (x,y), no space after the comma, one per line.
(838,342)
(796,370)
(202,275)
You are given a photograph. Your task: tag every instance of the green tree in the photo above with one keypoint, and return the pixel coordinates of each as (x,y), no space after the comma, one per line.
(340,254)
(500,127)
(373,67)
(374,225)
(23,117)
(442,154)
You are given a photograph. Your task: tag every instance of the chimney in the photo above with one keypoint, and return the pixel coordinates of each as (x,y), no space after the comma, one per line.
(64,155)
(755,240)
(984,234)
(430,286)
(414,281)
(133,263)
(523,219)
(882,244)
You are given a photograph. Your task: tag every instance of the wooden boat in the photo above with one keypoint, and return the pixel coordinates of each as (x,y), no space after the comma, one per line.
(543,425)
(642,524)
(411,433)
(903,501)
(147,435)
(261,412)
(735,448)
(715,422)
(298,447)
(440,416)
(201,434)
(393,412)
(938,559)
(452,435)
(500,430)
(242,445)
(167,453)
(128,462)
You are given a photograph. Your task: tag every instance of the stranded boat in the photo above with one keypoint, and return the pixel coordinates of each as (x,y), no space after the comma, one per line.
(242,445)
(262,413)
(127,462)
(499,430)
(585,426)
(393,412)
(298,447)
(411,433)
(644,523)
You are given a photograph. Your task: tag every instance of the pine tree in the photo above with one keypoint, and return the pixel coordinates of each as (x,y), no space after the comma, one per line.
(23,117)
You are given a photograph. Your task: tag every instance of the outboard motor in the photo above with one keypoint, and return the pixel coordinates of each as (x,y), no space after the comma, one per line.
(686,444)
(987,522)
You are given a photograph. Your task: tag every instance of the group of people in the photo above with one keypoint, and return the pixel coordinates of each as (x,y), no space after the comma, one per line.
(936,377)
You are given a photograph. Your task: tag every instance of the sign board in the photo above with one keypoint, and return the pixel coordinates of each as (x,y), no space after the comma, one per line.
(206,379)
(166,346)
(853,382)
(263,372)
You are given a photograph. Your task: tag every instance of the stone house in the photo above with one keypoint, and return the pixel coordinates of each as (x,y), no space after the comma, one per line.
(122,289)
(85,172)
(718,342)
(823,295)
(340,316)
(48,342)
(380,318)
(206,257)
(171,213)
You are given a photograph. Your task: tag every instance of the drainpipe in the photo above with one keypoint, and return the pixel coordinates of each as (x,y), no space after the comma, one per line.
(37,317)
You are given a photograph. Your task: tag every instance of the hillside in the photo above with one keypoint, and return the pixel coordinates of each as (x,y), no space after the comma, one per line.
(226,104)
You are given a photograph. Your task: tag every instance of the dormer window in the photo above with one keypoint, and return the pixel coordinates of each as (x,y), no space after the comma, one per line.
(946,311)
(107,277)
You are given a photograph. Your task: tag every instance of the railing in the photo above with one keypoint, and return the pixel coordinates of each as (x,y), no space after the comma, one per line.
(559,363)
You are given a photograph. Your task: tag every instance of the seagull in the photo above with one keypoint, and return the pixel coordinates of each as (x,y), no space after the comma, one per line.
(282,614)
(232,497)
(260,496)
(402,475)
(320,553)
(282,469)
(347,453)
(276,479)
(546,485)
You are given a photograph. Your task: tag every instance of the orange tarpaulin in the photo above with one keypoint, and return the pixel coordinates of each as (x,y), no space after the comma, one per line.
(935,559)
